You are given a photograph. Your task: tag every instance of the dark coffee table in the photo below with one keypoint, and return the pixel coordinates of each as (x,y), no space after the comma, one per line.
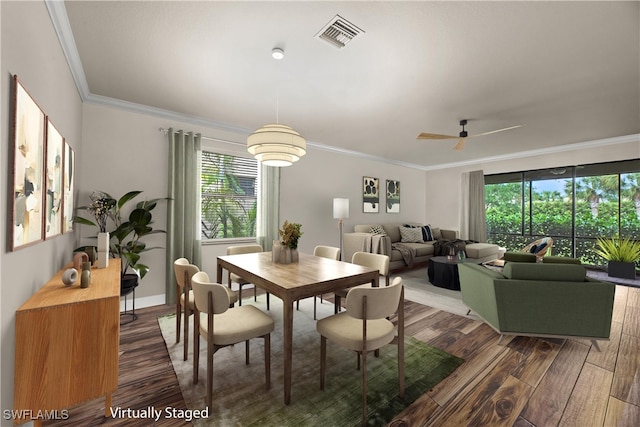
(443,271)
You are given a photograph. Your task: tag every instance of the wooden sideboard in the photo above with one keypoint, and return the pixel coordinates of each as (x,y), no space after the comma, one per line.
(67,344)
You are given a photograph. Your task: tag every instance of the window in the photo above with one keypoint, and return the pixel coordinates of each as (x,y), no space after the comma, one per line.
(229,196)
(573,204)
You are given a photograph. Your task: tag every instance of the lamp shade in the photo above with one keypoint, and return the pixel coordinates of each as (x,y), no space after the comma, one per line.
(340,208)
(276,145)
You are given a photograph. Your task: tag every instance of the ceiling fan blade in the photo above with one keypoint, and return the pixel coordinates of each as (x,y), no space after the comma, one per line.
(496,131)
(459,145)
(425,135)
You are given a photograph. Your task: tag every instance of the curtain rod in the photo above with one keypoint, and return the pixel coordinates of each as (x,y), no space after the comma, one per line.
(225,141)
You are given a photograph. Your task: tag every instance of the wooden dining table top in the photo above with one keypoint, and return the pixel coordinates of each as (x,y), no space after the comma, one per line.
(311,275)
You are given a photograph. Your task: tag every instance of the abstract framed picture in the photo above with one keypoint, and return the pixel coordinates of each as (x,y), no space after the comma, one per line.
(68,187)
(370,195)
(53,182)
(393,196)
(28,169)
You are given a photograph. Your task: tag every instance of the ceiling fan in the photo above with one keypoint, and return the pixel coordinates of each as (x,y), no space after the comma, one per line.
(463,135)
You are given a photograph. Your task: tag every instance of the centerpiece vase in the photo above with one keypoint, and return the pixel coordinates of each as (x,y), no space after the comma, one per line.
(281,254)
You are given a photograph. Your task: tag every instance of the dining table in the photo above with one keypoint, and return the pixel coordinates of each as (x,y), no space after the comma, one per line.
(310,276)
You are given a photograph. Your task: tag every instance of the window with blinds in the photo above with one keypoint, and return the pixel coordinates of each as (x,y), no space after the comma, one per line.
(229,196)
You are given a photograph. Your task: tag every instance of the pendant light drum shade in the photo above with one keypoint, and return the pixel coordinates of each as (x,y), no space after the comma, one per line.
(276,145)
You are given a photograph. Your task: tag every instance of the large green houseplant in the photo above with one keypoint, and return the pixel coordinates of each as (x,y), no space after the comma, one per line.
(621,254)
(125,235)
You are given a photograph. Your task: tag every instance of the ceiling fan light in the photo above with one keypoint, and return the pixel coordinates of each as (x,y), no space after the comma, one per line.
(276,145)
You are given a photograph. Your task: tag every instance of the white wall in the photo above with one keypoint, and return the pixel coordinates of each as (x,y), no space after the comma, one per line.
(309,186)
(30,49)
(443,207)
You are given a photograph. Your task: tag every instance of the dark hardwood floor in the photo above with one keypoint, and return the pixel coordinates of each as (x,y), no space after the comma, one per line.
(521,382)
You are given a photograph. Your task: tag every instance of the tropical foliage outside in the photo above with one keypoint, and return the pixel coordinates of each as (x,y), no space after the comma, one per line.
(229,198)
(598,207)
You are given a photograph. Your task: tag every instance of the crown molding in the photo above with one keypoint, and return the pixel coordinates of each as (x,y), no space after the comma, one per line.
(62,27)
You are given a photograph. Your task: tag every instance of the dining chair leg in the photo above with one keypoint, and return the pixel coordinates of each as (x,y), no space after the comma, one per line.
(267,359)
(314,308)
(268,307)
(246,352)
(196,358)
(255,293)
(178,319)
(364,388)
(186,332)
(323,360)
(210,372)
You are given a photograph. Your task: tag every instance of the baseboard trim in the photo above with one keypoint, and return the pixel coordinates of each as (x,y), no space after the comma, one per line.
(143,302)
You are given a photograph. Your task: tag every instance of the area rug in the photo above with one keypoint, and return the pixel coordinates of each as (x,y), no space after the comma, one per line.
(240,398)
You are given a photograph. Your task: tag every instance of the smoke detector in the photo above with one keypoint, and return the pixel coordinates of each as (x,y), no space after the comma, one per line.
(338,32)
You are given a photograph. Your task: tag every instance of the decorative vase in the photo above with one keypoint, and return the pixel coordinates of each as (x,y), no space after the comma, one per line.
(78,259)
(103,242)
(69,276)
(281,254)
(623,270)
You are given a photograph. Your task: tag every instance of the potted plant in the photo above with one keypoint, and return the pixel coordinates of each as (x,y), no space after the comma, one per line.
(285,251)
(621,254)
(126,236)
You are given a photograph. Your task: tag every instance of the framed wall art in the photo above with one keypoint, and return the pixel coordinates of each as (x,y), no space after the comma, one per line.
(370,195)
(68,187)
(53,182)
(28,169)
(393,196)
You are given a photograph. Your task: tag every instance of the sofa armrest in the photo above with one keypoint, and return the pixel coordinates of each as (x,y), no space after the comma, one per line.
(478,291)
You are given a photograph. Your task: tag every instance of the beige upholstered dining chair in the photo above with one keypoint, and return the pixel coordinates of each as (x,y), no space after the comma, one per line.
(324,252)
(364,327)
(381,262)
(223,326)
(232,277)
(184,297)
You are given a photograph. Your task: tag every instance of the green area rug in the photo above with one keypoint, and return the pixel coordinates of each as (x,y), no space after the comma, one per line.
(240,398)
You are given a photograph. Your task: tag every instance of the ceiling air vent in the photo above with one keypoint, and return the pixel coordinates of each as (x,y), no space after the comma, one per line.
(339,32)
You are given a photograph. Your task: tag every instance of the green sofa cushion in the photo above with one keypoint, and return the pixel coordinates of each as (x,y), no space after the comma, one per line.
(546,272)
(519,257)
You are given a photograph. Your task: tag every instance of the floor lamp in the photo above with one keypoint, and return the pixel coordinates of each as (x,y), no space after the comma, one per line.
(340,212)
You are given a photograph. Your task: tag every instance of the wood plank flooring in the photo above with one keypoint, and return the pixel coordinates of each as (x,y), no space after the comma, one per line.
(521,382)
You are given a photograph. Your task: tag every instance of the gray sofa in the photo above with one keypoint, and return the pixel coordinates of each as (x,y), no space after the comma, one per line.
(361,240)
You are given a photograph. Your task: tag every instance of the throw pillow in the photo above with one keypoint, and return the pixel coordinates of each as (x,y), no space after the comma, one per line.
(377,229)
(410,235)
(437,234)
(533,249)
(540,247)
(427,233)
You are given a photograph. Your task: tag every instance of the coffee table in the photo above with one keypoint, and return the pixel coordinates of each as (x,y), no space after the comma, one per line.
(443,271)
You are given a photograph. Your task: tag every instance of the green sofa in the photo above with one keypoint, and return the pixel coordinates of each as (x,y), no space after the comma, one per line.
(541,300)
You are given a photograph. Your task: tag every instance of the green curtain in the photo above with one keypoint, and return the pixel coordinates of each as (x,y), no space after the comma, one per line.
(183,215)
(473,221)
(269,206)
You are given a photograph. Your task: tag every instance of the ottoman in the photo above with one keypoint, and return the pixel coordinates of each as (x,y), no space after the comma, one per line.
(482,251)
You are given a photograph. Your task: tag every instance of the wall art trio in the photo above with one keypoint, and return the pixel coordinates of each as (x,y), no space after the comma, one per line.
(43,174)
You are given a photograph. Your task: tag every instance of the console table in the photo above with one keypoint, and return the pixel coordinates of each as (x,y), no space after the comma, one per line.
(67,343)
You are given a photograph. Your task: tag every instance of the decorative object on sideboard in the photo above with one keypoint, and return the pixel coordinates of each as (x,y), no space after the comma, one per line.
(69,276)
(78,259)
(370,195)
(341,212)
(85,277)
(622,253)
(103,249)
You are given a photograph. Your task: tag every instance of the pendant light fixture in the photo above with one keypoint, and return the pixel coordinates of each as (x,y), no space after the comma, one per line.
(276,144)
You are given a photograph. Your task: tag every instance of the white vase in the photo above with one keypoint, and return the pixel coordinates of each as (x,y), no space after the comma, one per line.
(103,242)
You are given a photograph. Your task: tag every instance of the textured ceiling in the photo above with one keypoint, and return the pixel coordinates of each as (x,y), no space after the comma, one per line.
(570,71)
